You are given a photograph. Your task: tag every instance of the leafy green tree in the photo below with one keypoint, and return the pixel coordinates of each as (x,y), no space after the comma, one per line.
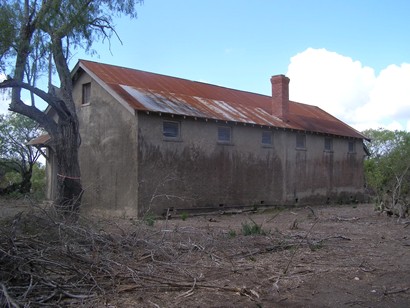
(36,33)
(38,181)
(388,167)
(15,132)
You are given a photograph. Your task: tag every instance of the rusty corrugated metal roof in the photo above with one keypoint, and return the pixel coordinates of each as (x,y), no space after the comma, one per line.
(41,140)
(144,91)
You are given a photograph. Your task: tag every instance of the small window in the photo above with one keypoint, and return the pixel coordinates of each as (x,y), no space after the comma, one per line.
(86,93)
(352,147)
(170,130)
(267,139)
(300,141)
(224,134)
(328,144)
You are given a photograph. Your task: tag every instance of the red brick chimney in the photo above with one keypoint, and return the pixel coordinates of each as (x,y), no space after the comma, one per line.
(280,96)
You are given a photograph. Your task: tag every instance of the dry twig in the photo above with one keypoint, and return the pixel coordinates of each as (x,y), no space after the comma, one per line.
(47,261)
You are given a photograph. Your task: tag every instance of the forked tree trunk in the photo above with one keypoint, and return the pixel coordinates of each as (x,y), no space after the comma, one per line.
(67,141)
(64,133)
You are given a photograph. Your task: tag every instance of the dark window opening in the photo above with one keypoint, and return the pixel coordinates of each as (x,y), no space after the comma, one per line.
(86,93)
(352,147)
(267,138)
(300,141)
(328,144)
(224,134)
(171,130)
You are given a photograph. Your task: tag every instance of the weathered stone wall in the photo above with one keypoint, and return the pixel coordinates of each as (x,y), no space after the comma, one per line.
(197,171)
(108,152)
(51,176)
(316,176)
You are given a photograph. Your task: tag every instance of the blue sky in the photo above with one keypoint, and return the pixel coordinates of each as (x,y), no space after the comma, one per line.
(344,56)
(228,41)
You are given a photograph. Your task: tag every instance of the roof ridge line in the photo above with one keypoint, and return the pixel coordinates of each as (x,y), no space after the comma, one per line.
(176,77)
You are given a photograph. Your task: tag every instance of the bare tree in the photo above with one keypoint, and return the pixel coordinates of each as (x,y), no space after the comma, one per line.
(29,31)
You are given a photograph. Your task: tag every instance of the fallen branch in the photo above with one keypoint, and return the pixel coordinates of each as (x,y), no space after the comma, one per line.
(298,245)
(47,261)
(346,219)
(335,237)
(395,291)
(9,301)
(189,292)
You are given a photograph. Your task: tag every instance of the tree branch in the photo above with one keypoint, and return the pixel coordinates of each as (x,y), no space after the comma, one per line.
(65,77)
(53,101)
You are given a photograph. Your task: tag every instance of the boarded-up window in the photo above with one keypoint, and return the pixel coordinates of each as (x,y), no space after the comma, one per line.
(300,141)
(224,134)
(267,138)
(171,130)
(328,144)
(86,93)
(351,147)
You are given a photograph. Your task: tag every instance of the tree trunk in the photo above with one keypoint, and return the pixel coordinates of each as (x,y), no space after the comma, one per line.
(67,140)
(25,185)
(69,189)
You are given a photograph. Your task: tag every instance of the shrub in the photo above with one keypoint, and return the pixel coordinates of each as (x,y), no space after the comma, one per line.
(184,216)
(149,219)
(252,228)
(231,233)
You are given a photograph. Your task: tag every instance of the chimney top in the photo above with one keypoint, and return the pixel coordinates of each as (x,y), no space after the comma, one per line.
(280,96)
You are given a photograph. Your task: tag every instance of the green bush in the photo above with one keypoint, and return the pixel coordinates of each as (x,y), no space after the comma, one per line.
(387,169)
(149,219)
(10,177)
(231,233)
(252,228)
(184,216)
(38,181)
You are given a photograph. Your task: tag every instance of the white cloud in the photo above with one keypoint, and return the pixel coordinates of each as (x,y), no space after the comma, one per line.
(394,126)
(350,91)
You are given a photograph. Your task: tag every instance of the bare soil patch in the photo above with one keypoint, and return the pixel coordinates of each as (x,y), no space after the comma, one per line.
(327,256)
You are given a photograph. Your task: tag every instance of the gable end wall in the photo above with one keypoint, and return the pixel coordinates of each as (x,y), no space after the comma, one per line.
(108,152)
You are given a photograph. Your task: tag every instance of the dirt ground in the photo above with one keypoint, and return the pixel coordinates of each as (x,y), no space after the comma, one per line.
(323,256)
(355,258)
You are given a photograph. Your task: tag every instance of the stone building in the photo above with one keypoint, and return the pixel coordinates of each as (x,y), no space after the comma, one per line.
(152,142)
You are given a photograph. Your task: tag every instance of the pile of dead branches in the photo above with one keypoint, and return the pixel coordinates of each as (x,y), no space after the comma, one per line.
(45,260)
